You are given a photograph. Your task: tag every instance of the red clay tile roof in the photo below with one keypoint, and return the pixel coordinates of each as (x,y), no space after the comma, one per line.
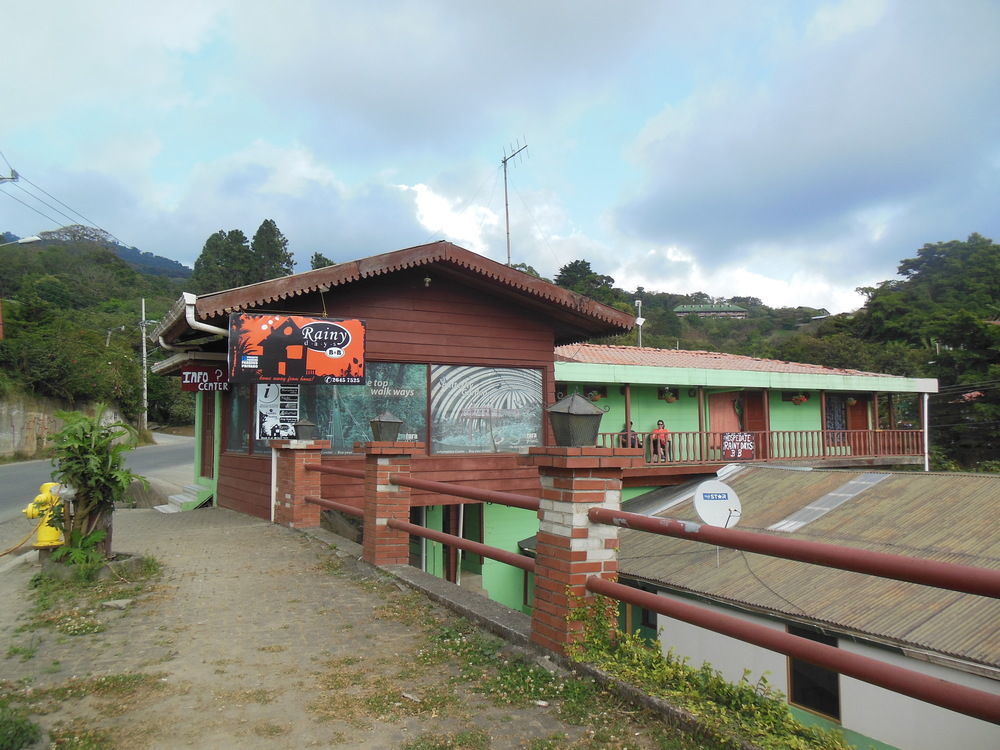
(648,357)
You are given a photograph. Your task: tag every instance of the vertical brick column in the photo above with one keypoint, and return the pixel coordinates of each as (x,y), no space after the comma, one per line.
(384,500)
(570,547)
(293,482)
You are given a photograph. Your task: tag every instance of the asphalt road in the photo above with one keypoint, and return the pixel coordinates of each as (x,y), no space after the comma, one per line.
(19,482)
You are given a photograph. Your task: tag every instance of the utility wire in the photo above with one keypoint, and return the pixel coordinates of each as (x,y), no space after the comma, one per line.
(44,203)
(541,234)
(762,583)
(89,221)
(55,222)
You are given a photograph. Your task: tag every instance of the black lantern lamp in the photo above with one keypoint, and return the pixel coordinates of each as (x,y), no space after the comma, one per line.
(385,428)
(575,421)
(306,430)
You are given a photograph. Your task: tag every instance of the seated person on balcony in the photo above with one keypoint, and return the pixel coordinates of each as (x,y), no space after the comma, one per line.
(629,439)
(659,440)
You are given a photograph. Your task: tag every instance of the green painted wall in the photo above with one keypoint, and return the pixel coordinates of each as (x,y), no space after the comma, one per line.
(682,414)
(505,527)
(787,415)
(854,738)
(434,551)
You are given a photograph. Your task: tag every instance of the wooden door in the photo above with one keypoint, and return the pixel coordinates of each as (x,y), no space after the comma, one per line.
(755,421)
(859,429)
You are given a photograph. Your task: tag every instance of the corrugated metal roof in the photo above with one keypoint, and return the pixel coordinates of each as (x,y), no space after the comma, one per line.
(946,517)
(680,358)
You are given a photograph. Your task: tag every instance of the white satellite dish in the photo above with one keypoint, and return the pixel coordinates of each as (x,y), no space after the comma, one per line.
(717,504)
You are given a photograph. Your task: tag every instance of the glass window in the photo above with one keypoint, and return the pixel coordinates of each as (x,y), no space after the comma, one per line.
(237,434)
(485,409)
(343,413)
(812,687)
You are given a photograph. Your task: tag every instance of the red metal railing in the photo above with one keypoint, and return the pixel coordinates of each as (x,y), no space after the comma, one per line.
(714,447)
(984,582)
(964,700)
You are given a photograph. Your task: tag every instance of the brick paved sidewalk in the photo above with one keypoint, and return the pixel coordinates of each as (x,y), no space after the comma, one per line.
(253,639)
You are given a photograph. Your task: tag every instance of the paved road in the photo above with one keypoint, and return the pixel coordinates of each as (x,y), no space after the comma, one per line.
(19,481)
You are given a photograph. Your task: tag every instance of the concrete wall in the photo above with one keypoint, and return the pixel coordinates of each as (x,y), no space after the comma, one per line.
(867,712)
(28,422)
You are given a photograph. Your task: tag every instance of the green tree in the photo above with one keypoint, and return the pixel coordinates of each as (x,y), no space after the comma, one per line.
(225,262)
(318,260)
(269,253)
(580,277)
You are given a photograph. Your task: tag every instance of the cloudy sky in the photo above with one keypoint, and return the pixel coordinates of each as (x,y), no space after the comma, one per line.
(784,149)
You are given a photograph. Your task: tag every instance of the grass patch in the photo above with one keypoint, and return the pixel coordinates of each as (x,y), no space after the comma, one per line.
(26,653)
(71,606)
(80,738)
(470,739)
(17,731)
(351,692)
(116,694)
(607,721)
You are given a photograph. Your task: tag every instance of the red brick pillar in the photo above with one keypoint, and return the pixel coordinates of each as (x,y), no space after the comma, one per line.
(570,547)
(292,482)
(384,500)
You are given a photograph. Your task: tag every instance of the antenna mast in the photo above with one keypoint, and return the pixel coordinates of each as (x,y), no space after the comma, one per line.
(506,204)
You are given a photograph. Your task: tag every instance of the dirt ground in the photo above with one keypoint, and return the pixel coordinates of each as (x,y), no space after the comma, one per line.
(255,636)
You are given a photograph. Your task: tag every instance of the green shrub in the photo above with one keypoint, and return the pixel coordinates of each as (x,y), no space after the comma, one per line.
(16,730)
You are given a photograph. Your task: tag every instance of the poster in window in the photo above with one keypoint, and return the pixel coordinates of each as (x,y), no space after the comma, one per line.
(277,411)
(485,409)
(343,414)
(295,349)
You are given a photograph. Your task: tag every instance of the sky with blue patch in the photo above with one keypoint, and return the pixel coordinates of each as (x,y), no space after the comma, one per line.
(783,149)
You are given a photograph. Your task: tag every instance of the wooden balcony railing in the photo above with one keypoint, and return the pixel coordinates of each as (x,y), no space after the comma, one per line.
(714,447)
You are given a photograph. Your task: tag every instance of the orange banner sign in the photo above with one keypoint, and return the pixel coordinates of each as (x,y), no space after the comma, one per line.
(295,349)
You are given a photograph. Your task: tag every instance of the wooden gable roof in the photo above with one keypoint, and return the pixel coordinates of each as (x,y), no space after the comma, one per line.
(572,316)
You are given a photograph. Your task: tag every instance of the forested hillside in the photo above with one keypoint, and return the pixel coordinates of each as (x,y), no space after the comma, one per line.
(71,314)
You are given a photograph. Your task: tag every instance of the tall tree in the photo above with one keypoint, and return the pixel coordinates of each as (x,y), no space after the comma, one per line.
(580,277)
(318,260)
(225,262)
(269,252)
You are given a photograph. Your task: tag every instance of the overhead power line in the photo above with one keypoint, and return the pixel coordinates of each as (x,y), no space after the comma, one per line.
(78,217)
(55,222)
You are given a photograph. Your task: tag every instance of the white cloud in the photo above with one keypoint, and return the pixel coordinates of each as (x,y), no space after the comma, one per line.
(835,20)
(465,225)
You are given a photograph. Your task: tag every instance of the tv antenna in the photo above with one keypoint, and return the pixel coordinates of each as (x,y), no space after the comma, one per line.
(515,150)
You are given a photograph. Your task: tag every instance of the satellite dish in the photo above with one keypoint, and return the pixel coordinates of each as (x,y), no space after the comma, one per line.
(717,504)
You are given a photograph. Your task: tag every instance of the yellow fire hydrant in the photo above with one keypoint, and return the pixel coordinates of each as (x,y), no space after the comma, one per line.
(43,506)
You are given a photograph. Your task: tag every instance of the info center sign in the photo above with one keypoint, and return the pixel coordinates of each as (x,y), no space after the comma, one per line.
(273,348)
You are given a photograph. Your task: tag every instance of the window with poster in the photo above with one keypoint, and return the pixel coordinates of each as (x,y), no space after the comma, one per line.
(452,408)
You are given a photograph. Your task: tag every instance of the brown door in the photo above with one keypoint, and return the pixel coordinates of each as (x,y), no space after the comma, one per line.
(207,468)
(755,421)
(857,424)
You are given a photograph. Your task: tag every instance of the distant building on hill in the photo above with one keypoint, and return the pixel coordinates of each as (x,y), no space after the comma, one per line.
(711,311)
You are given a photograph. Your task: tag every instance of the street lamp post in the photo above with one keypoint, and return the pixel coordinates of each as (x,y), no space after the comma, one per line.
(22,241)
(639,320)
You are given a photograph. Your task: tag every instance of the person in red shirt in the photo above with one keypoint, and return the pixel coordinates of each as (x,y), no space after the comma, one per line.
(659,440)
